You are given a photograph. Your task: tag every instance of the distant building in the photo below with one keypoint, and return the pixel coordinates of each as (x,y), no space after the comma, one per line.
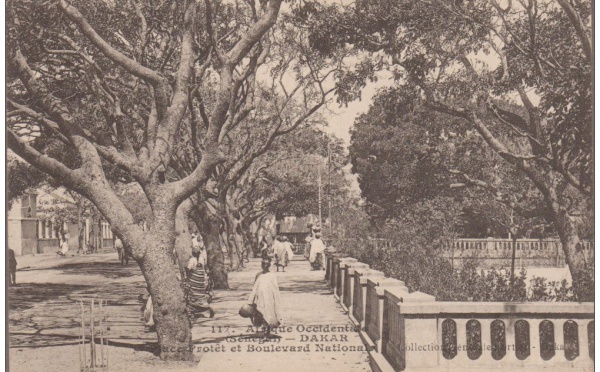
(22,225)
(30,233)
(296,228)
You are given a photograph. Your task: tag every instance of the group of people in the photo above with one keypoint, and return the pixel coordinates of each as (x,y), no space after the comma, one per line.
(264,303)
(280,251)
(264,308)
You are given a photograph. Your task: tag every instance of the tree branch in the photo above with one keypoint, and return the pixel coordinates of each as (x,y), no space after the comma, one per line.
(586,41)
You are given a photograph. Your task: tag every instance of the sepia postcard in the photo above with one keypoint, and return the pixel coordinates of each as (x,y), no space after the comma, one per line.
(299,185)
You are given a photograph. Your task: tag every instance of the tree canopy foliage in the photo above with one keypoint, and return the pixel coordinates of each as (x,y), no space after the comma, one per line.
(519,74)
(114,84)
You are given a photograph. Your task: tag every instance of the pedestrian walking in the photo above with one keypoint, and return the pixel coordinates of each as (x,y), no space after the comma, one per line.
(12,267)
(123,256)
(283,252)
(317,247)
(119,247)
(266,300)
(264,248)
(64,247)
(194,287)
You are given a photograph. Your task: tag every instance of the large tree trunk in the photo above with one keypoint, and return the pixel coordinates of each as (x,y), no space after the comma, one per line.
(236,241)
(210,229)
(183,242)
(249,242)
(232,250)
(575,256)
(228,238)
(93,238)
(258,230)
(172,324)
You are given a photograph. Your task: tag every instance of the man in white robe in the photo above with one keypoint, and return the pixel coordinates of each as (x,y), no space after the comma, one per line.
(316,246)
(265,296)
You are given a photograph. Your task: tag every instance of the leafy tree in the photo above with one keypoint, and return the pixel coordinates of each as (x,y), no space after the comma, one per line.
(271,110)
(116,91)
(487,65)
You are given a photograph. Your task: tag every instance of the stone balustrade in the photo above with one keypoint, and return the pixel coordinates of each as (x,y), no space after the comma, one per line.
(361,275)
(492,244)
(340,278)
(348,284)
(498,252)
(407,331)
(331,258)
(374,306)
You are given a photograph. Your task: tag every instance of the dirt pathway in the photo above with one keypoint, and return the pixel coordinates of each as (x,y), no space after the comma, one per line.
(317,336)
(44,321)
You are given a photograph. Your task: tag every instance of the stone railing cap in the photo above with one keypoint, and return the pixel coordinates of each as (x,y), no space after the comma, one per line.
(349,264)
(396,293)
(473,308)
(365,271)
(419,297)
(391,281)
(386,282)
(337,258)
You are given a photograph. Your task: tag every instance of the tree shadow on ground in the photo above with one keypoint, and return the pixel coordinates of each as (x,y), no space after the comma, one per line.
(110,270)
(63,340)
(223,296)
(306,287)
(25,296)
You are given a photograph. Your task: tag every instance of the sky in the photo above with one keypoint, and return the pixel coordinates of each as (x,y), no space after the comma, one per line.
(341,119)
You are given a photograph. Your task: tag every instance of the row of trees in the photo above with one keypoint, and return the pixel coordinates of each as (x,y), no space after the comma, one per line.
(169,122)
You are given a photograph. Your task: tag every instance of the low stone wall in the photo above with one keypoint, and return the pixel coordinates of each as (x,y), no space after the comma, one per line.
(411,331)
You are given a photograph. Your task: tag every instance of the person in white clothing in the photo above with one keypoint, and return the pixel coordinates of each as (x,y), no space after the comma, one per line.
(283,252)
(316,246)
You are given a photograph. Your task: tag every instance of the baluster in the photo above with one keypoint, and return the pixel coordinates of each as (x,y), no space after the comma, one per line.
(534,341)
(461,358)
(559,339)
(584,349)
(511,341)
(486,340)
